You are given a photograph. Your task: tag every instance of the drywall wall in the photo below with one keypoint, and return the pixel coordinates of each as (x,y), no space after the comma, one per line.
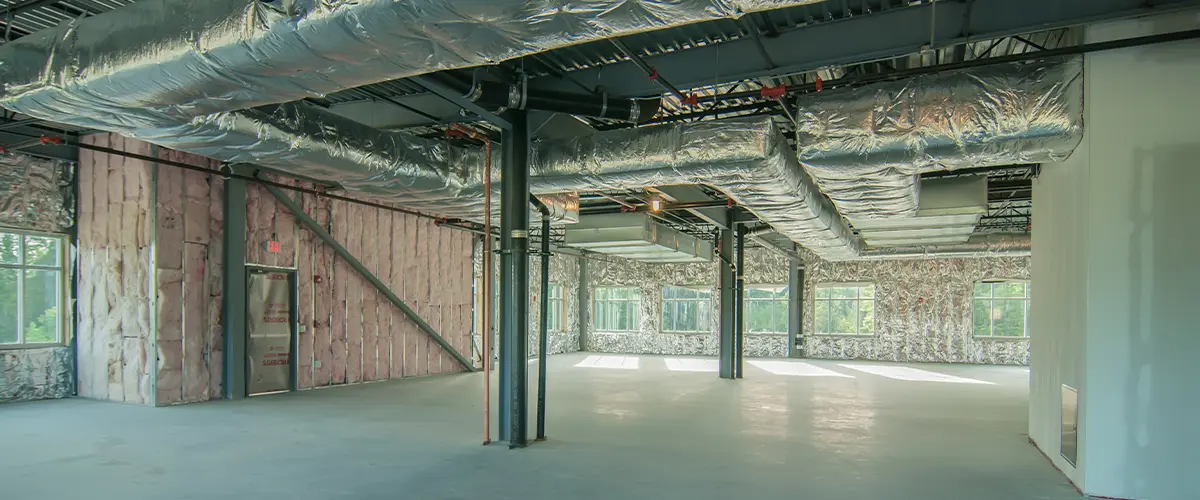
(36,194)
(350,332)
(1132,191)
(762,268)
(922,310)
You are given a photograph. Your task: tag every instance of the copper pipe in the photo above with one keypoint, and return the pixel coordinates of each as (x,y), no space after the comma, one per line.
(486,355)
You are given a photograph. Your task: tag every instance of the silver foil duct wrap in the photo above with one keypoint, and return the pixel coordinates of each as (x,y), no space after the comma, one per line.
(865,146)
(157,63)
(747,159)
(979,245)
(35,193)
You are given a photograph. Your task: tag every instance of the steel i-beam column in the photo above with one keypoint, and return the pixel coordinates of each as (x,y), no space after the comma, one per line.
(726,337)
(543,334)
(739,296)
(795,307)
(233,300)
(514,282)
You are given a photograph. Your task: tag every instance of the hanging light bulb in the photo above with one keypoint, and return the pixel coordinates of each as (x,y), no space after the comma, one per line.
(655,205)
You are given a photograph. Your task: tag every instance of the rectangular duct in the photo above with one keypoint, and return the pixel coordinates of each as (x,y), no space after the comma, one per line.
(637,237)
(948,212)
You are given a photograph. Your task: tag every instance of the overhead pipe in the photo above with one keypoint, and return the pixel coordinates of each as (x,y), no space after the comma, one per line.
(520,96)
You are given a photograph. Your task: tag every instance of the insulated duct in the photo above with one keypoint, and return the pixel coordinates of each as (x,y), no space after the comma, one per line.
(158,63)
(520,96)
(866,146)
(980,245)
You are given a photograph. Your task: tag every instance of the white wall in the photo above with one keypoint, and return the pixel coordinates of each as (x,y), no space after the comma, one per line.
(1117,227)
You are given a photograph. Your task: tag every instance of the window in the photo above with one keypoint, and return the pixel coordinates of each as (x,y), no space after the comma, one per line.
(617,309)
(766,308)
(686,310)
(1001,309)
(844,309)
(554,318)
(31,288)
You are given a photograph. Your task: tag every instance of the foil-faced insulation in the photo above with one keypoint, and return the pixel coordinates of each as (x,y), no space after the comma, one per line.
(162,62)
(748,159)
(922,309)
(866,146)
(35,193)
(979,245)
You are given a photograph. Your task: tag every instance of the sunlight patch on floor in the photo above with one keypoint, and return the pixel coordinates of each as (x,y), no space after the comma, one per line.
(611,362)
(691,365)
(912,374)
(796,369)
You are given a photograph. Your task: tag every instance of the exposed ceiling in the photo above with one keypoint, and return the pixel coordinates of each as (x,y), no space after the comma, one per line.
(753,66)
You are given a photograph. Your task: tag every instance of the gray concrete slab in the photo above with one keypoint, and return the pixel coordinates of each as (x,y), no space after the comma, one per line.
(812,429)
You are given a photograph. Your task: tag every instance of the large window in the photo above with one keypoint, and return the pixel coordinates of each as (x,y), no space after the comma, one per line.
(686,310)
(1001,309)
(31,288)
(766,308)
(554,318)
(844,309)
(616,309)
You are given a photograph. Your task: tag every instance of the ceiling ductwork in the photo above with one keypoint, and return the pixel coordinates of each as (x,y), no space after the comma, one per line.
(158,63)
(867,146)
(637,237)
(979,245)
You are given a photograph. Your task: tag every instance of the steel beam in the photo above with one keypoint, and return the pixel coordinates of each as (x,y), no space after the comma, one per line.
(233,296)
(726,336)
(795,307)
(458,99)
(543,334)
(315,227)
(880,34)
(693,194)
(514,281)
(739,306)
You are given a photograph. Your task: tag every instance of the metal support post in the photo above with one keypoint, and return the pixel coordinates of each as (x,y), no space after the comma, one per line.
(514,281)
(739,296)
(583,304)
(543,334)
(795,308)
(726,336)
(233,298)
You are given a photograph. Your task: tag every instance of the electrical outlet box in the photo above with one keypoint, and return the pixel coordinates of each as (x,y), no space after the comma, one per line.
(316,363)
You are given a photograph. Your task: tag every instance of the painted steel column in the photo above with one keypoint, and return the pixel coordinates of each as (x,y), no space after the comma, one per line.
(582,296)
(795,308)
(739,297)
(233,295)
(543,341)
(514,281)
(726,336)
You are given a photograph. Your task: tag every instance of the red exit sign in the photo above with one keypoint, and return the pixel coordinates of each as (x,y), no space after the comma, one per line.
(274,247)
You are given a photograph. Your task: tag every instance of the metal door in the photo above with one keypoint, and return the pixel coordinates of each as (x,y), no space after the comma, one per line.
(269,328)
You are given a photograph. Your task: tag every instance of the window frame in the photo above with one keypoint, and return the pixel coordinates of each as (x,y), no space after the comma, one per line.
(60,266)
(857,310)
(706,303)
(746,300)
(1027,299)
(559,305)
(637,313)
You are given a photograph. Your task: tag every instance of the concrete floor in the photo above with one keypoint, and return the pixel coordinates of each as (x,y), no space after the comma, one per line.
(826,431)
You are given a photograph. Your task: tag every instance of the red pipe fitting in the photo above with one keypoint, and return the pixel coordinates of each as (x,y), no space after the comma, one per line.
(51,140)
(774,92)
(653,74)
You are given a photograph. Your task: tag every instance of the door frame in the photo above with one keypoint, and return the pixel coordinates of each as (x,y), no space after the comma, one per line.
(293,324)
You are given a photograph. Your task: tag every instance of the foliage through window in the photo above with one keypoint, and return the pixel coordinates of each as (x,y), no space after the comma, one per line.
(554,318)
(1001,309)
(686,310)
(766,308)
(31,287)
(844,309)
(616,309)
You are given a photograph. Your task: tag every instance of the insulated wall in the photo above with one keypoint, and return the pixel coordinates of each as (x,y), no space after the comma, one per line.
(149,276)
(564,272)
(36,194)
(922,310)
(349,332)
(762,268)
